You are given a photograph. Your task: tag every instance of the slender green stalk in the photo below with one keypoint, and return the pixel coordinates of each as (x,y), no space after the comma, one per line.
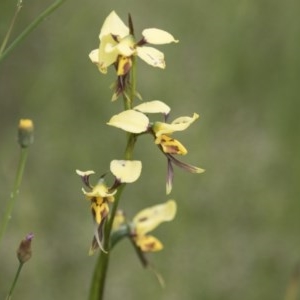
(99,276)
(15,191)
(133,80)
(100,273)
(12,23)
(31,27)
(15,281)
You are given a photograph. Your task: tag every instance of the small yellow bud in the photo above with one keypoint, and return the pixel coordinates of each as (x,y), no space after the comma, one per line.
(25,133)
(24,251)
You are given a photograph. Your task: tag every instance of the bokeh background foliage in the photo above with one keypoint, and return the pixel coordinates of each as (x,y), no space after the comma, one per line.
(236,235)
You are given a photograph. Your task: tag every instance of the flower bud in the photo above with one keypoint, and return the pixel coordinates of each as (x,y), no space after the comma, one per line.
(24,251)
(25,133)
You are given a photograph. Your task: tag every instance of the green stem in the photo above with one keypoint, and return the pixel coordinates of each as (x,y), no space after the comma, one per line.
(133,79)
(130,145)
(98,282)
(31,27)
(12,23)
(15,191)
(100,272)
(15,281)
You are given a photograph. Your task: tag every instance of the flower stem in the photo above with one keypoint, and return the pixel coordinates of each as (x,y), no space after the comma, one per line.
(15,281)
(30,28)
(15,191)
(12,23)
(100,272)
(133,79)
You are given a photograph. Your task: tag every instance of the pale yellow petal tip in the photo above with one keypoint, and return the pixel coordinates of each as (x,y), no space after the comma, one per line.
(126,171)
(170,210)
(113,25)
(91,251)
(84,173)
(200,170)
(94,56)
(168,189)
(102,70)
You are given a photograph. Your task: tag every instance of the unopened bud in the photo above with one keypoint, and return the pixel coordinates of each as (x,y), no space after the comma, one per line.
(25,133)
(24,251)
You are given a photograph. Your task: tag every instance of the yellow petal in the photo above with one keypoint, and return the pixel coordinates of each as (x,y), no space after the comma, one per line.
(124,65)
(149,218)
(155,106)
(170,145)
(169,185)
(126,170)
(113,25)
(100,190)
(157,36)
(130,121)
(185,121)
(126,46)
(148,243)
(94,56)
(107,54)
(100,210)
(178,124)
(97,211)
(151,56)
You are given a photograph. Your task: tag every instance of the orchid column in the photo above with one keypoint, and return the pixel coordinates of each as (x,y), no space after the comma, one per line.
(119,48)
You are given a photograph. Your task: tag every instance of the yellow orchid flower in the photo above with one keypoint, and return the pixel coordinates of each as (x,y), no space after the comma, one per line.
(137,230)
(147,220)
(179,124)
(99,197)
(117,40)
(144,222)
(135,121)
(163,130)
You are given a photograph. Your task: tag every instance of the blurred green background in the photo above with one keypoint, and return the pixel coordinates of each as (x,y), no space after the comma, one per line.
(236,235)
